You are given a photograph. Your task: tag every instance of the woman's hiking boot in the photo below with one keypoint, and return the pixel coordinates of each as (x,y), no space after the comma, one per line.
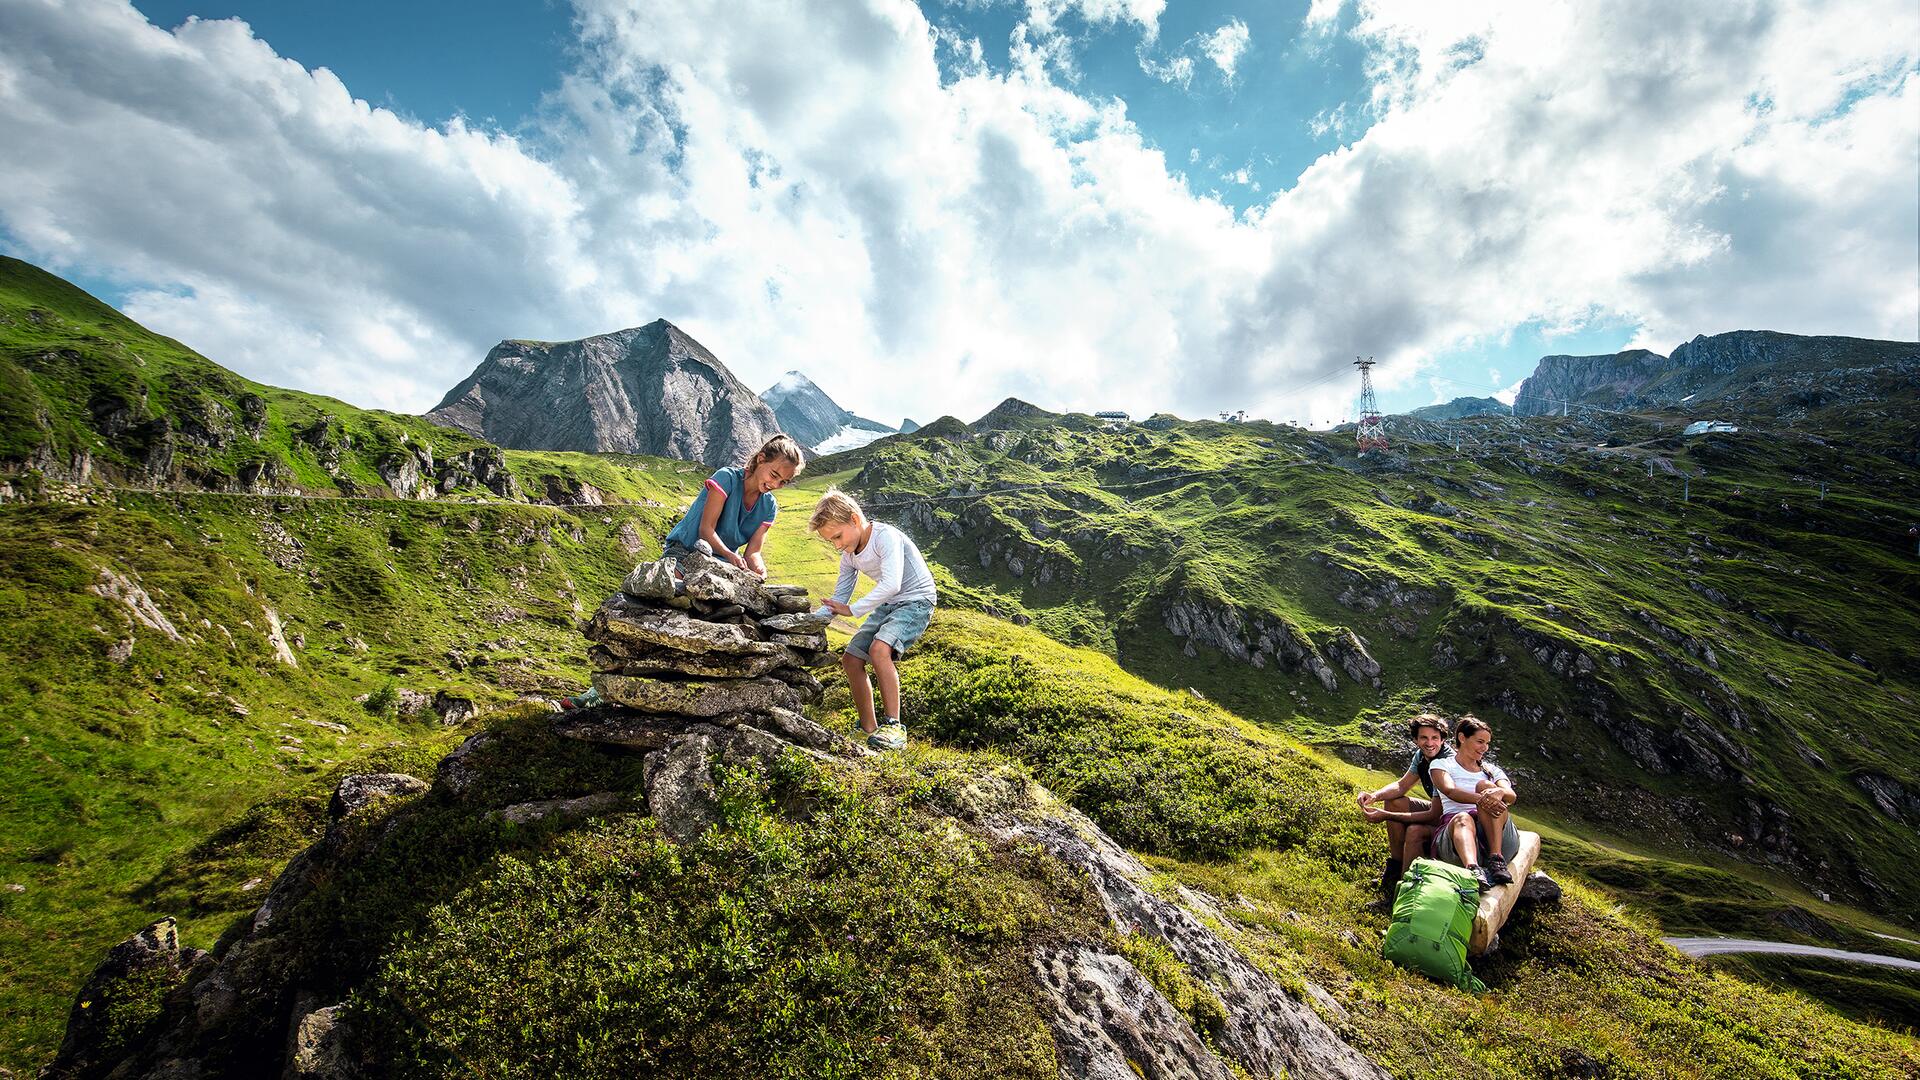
(1497,871)
(1480,877)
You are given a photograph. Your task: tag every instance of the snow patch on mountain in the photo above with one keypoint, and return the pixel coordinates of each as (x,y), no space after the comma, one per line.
(848,438)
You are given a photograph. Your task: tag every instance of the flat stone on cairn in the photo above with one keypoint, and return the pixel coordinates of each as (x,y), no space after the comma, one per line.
(701,652)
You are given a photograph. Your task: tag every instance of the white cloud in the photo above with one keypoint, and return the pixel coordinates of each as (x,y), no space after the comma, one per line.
(1323,16)
(799,188)
(1177,71)
(1225,46)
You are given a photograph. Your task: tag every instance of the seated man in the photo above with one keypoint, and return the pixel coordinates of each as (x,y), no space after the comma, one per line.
(1410,822)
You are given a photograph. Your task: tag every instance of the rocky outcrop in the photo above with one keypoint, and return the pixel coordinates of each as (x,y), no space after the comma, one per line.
(1109,1019)
(649,390)
(1744,364)
(805,412)
(1256,639)
(1558,381)
(120,1001)
(1462,407)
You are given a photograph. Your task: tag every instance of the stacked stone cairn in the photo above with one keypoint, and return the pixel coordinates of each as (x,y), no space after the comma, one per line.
(695,657)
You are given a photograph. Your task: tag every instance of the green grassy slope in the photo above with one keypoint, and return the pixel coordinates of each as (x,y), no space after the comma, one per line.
(88,395)
(115,767)
(1735,671)
(837,923)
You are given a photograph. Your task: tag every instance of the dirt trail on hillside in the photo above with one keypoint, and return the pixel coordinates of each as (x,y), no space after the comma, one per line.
(1708,946)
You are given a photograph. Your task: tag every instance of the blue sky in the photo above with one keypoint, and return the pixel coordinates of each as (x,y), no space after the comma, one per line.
(1086,203)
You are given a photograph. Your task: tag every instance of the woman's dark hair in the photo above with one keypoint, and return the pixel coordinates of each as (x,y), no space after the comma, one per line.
(1468,727)
(1428,719)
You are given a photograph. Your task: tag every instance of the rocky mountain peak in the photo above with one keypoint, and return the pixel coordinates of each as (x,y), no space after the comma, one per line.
(1461,407)
(819,422)
(650,389)
(1012,413)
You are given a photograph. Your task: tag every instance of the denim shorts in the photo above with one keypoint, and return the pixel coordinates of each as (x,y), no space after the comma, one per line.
(1445,849)
(899,625)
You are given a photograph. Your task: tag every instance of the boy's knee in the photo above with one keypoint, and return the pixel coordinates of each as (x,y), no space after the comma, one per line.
(880,650)
(852,663)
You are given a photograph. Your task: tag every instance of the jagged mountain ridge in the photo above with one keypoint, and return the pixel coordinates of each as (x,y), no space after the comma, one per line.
(820,423)
(1752,372)
(648,390)
(1462,407)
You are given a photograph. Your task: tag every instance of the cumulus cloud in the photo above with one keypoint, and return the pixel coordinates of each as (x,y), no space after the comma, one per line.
(848,191)
(1225,46)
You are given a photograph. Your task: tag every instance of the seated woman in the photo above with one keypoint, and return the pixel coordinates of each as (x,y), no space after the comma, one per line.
(1474,797)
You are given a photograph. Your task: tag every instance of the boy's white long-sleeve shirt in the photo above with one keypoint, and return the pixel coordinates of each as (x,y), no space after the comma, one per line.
(894,563)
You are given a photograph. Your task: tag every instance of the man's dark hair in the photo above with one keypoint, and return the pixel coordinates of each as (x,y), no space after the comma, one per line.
(1427,719)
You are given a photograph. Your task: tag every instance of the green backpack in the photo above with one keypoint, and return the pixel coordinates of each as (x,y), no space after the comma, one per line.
(1432,921)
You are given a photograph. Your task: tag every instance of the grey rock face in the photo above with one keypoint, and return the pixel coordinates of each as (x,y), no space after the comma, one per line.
(455,771)
(795,623)
(1462,407)
(317,1044)
(621,624)
(694,698)
(649,390)
(1559,380)
(808,414)
(1259,641)
(1540,889)
(528,812)
(101,1007)
(633,661)
(1110,1023)
(652,581)
(680,788)
(622,727)
(362,789)
(1266,1031)
(1706,368)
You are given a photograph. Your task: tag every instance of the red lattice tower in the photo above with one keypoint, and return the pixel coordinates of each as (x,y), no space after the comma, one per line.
(1371,434)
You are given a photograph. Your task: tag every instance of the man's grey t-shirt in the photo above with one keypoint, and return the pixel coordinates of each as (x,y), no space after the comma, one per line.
(1421,765)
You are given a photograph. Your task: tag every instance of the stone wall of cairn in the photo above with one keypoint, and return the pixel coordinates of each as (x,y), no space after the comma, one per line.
(699,656)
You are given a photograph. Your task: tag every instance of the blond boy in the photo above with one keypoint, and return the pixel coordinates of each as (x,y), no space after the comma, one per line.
(897,608)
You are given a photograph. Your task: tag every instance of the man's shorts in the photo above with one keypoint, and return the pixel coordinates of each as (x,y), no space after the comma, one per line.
(899,625)
(1443,846)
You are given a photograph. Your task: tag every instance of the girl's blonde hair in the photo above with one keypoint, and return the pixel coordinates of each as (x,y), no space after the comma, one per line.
(784,447)
(835,506)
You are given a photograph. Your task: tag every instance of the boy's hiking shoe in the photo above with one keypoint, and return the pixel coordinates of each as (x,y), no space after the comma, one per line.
(1497,871)
(1480,877)
(890,735)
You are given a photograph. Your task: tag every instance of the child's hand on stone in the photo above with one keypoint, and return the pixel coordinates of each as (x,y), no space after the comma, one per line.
(837,607)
